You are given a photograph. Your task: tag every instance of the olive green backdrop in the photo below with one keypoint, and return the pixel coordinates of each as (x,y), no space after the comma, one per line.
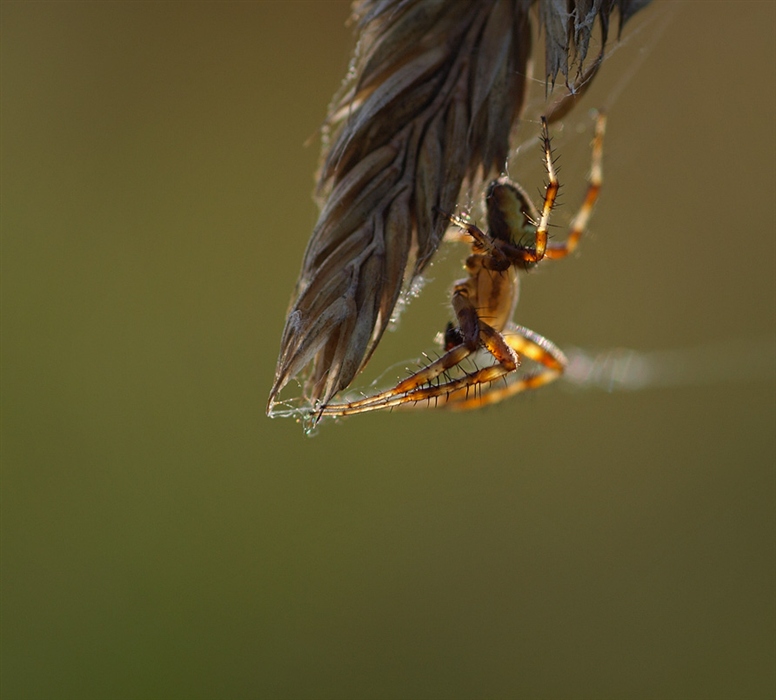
(162,538)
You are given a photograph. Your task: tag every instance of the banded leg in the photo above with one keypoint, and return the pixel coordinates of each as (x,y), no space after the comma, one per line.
(555,251)
(422,381)
(491,385)
(550,193)
(512,217)
(526,343)
(435,395)
(469,233)
(474,333)
(472,390)
(498,245)
(415,382)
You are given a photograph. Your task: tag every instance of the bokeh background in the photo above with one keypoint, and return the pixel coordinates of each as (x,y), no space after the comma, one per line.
(161,537)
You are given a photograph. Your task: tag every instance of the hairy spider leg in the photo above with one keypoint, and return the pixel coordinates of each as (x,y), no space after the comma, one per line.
(511,214)
(457,393)
(555,251)
(550,193)
(426,375)
(526,343)
(511,197)
(476,334)
(487,295)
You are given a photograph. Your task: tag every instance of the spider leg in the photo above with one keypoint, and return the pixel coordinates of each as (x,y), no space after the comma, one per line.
(526,343)
(476,389)
(439,393)
(419,386)
(512,214)
(482,240)
(474,333)
(561,250)
(415,382)
(519,254)
(550,193)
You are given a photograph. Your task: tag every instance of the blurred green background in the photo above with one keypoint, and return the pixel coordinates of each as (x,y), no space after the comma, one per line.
(162,538)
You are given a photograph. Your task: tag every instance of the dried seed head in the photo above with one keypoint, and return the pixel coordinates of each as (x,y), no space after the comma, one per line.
(436,88)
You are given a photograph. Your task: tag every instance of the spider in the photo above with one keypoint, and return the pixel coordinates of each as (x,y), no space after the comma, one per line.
(484,302)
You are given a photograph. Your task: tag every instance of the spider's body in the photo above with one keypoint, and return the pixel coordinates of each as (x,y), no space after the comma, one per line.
(485,300)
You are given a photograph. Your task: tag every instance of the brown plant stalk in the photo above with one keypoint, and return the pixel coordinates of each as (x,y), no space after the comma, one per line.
(437,87)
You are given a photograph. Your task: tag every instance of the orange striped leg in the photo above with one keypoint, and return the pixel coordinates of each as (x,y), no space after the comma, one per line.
(420,385)
(415,382)
(480,388)
(476,333)
(561,250)
(550,193)
(431,396)
(525,343)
